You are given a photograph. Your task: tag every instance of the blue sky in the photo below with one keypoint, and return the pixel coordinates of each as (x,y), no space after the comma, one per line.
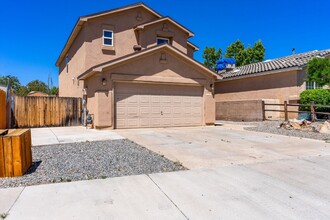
(33,33)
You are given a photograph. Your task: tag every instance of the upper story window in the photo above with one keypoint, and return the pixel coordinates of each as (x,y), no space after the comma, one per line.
(312,85)
(107,38)
(161,40)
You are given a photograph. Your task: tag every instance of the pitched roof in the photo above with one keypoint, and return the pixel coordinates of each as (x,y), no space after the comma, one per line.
(83,19)
(278,64)
(103,66)
(167,18)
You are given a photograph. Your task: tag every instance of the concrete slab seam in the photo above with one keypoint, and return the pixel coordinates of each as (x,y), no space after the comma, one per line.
(55,135)
(168,197)
(8,212)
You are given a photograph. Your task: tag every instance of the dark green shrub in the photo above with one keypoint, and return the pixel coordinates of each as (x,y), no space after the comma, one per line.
(318,96)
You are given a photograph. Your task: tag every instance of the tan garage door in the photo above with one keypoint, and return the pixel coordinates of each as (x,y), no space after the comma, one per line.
(151,105)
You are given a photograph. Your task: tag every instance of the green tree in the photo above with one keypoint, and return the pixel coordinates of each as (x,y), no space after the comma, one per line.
(37,85)
(14,82)
(211,56)
(53,90)
(258,52)
(318,96)
(318,70)
(245,56)
(23,91)
(235,51)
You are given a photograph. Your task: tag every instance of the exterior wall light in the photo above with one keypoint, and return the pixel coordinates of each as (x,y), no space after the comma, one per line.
(104,82)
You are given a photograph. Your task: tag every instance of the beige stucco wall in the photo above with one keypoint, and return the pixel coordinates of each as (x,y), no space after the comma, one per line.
(283,86)
(88,50)
(271,88)
(146,69)
(69,86)
(190,51)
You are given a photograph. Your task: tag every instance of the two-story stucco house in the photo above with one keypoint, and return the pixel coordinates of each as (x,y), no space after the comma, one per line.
(135,68)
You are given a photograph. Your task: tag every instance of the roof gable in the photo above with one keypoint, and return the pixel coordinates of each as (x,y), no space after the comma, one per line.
(165,19)
(136,55)
(83,19)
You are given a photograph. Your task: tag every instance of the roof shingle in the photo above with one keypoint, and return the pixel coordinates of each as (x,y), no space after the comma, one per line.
(297,60)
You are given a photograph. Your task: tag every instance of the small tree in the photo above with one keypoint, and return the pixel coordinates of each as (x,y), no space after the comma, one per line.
(235,51)
(245,56)
(14,82)
(318,70)
(211,56)
(53,90)
(37,85)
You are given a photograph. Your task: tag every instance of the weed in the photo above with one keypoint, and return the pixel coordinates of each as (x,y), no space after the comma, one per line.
(178,163)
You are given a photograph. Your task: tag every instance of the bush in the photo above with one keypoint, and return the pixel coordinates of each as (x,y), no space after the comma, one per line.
(318,96)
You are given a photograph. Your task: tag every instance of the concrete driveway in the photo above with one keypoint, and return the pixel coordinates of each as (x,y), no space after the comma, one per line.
(234,174)
(210,147)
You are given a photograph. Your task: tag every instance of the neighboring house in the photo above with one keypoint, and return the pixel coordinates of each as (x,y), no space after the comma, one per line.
(281,79)
(37,94)
(135,68)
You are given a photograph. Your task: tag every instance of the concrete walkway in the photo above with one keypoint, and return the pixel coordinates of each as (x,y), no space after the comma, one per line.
(61,135)
(285,189)
(234,174)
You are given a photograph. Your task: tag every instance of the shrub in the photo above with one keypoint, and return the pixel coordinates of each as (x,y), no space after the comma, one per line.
(318,96)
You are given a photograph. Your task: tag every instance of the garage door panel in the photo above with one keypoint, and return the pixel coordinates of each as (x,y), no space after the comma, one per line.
(146,105)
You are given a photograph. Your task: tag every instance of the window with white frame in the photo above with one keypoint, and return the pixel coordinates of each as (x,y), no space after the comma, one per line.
(162,40)
(107,38)
(312,85)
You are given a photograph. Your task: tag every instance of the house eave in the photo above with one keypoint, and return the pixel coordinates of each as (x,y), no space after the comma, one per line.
(261,74)
(143,26)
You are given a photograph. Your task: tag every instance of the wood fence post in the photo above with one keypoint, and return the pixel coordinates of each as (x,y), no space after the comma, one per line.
(286,111)
(312,112)
(263,110)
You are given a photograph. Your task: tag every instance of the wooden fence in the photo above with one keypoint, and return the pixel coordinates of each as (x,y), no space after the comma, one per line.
(286,109)
(46,112)
(3,109)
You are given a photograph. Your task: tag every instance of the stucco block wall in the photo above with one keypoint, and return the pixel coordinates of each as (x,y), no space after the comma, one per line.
(248,110)
(283,86)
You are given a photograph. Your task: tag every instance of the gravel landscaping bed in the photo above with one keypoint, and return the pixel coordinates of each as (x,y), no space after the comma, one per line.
(273,127)
(90,160)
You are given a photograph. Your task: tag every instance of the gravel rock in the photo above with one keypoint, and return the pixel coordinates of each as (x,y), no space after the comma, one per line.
(90,160)
(273,127)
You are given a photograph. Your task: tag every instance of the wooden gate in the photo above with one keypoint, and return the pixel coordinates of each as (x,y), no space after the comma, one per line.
(46,111)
